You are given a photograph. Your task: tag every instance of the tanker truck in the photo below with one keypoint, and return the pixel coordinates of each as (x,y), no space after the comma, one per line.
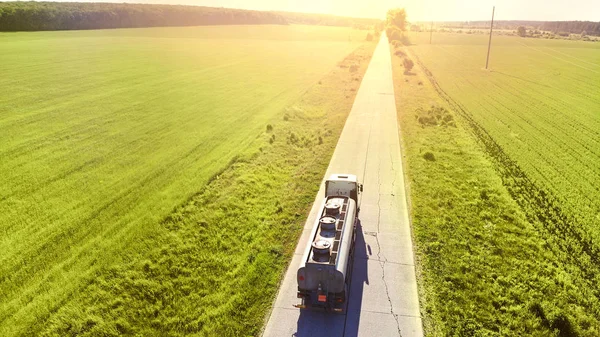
(324,273)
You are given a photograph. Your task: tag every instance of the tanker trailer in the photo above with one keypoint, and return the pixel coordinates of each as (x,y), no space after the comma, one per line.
(323,276)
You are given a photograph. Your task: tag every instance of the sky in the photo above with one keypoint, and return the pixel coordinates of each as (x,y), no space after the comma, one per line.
(418,10)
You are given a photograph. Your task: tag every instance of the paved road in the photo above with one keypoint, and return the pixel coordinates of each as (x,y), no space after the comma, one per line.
(383,297)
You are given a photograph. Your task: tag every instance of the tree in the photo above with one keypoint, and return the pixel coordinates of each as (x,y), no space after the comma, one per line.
(521,31)
(396,18)
(395,24)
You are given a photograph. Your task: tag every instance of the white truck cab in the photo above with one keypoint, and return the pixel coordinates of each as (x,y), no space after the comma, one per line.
(345,185)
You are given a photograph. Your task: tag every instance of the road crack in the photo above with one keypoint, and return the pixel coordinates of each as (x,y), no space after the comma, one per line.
(382,259)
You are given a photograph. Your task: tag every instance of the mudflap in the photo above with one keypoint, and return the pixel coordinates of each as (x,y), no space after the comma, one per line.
(311,302)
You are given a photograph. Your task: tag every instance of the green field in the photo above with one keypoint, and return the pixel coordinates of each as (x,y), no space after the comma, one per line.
(511,158)
(105,134)
(541,104)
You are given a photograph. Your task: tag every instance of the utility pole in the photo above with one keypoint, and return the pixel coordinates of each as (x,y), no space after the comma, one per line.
(430,32)
(487,61)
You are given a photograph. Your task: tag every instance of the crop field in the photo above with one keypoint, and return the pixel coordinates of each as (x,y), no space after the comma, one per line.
(541,104)
(511,157)
(106,134)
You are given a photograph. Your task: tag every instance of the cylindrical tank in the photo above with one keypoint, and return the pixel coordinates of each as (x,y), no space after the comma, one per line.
(335,225)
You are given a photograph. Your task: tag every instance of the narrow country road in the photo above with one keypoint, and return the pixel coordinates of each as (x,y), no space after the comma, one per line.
(383,298)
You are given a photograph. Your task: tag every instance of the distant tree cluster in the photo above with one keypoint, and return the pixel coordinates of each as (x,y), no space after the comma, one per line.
(327,20)
(33,16)
(572,27)
(562,28)
(522,31)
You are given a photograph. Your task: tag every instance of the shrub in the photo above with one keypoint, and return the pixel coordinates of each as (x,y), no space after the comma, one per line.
(562,324)
(429,156)
(408,65)
(394,34)
(293,139)
(369,37)
(435,116)
(269,127)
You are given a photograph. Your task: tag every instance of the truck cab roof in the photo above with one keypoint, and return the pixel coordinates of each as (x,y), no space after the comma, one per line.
(342,177)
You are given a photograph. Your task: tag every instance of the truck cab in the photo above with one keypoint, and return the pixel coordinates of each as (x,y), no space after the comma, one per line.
(345,185)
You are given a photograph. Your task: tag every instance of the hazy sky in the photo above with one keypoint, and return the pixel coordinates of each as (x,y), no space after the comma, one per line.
(418,10)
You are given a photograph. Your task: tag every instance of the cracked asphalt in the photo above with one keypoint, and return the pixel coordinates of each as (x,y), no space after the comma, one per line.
(383,298)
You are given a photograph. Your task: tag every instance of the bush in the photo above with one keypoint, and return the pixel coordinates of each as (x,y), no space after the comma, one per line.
(369,37)
(293,139)
(435,116)
(394,34)
(408,65)
(429,156)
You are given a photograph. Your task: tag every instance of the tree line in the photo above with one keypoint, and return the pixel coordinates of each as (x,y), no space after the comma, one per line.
(328,20)
(34,16)
(556,27)
(572,27)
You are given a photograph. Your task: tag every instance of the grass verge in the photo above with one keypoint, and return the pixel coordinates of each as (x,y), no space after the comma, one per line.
(215,265)
(486,266)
